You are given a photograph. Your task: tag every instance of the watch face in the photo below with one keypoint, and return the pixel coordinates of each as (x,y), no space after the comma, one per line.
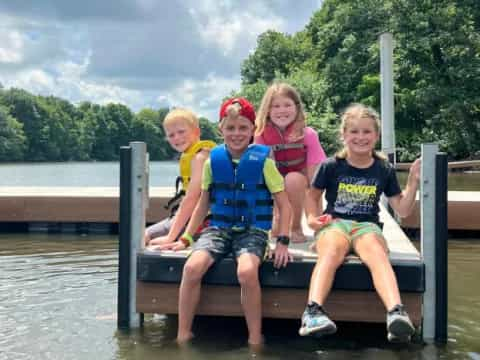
(285,240)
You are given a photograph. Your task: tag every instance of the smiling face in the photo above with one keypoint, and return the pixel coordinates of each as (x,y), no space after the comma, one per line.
(283,111)
(181,135)
(360,135)
(237,133)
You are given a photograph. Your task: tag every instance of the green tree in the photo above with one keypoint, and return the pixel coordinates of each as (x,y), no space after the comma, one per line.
(12,138)
(147,127)
(112,130)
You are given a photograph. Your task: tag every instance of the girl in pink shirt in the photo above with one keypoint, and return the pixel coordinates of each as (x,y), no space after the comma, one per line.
(280,123)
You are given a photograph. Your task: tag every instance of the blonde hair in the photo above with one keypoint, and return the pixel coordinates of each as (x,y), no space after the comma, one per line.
(231,112)
(359,111)
(283,89)
(184,115)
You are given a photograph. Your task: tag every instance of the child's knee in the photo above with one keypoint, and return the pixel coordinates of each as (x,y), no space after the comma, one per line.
(247,275)
(193,271)
(295,181)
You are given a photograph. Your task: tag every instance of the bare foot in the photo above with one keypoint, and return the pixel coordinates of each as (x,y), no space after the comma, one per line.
(297,236)
(184,338)
(256,342)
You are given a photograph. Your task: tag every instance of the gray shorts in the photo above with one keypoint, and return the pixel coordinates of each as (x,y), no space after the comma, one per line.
(220,242)
(161,228)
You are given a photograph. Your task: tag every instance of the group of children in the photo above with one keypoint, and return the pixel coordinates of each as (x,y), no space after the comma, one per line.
(270,169)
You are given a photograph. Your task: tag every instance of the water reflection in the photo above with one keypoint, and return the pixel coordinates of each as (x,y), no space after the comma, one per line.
(58,301)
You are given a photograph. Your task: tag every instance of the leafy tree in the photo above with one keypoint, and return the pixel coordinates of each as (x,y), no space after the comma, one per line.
(112,130)
(147,127)
(12,138)
(209,130)
(335,61)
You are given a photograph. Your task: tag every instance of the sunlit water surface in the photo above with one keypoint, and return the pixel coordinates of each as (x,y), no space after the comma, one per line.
(58,301)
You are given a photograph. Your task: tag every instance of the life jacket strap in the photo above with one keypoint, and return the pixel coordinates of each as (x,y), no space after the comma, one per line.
(277,147)
(243,203)
(290,162)
(239,186)
(241,219)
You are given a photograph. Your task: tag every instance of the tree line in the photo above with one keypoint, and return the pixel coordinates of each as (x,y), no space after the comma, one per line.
(333,61)
(38,128)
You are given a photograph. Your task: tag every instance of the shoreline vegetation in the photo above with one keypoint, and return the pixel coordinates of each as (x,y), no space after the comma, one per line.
(333,62)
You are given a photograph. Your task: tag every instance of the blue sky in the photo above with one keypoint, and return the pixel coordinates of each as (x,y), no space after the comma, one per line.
(142,53)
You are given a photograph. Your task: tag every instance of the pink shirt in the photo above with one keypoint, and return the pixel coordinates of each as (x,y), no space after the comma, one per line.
(315,153)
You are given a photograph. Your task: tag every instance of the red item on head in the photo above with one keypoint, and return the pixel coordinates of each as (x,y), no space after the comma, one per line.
(246,110)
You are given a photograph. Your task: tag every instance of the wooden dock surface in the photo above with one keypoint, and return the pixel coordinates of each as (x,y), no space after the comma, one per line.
(100,204)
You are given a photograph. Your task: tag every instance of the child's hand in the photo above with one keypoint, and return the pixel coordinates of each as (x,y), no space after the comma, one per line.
(316,223)
(414,173)
(174,246)
(281,256)
(159,241)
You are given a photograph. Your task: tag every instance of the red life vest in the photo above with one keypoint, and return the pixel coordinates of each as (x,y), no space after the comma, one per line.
(289,156)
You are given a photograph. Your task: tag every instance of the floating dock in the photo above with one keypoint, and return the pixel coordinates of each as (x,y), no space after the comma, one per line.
(285,291)
(64,207)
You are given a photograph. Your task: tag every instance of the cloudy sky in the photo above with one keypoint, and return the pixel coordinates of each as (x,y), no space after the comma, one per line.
(142,53)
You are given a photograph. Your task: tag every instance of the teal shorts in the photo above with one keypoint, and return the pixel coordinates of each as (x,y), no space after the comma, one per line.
(352,230)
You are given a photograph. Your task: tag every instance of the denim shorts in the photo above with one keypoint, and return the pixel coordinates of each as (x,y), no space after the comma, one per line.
(352,230)
(220,242)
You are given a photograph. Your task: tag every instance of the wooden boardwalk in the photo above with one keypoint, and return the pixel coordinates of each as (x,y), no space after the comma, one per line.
(100,205)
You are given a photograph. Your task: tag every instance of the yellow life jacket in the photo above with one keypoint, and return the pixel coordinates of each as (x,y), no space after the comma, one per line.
(186,160)
(185,165)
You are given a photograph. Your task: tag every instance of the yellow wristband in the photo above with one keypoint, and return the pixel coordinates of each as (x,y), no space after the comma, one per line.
(189,240)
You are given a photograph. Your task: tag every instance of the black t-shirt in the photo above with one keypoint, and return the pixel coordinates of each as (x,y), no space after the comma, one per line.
(353,193)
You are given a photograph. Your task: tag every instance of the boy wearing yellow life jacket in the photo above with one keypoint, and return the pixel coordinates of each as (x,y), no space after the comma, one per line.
(182,130)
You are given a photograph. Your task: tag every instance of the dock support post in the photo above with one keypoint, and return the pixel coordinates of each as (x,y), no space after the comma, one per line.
(386,96)
(441,248)
(133,193)
(434,233)
(123,294)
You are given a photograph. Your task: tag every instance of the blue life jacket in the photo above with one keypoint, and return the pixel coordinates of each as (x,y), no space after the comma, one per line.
(239,196)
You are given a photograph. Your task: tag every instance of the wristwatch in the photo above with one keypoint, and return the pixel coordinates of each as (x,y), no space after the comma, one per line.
(283,239)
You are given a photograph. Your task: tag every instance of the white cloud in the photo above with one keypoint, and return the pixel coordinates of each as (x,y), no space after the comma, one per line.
(137,52)
(11,47)
(71,83)
(229,28)
(202,96)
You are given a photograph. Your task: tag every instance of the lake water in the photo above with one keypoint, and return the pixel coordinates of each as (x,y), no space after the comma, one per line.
(58,295)
(58,301)
(162,173)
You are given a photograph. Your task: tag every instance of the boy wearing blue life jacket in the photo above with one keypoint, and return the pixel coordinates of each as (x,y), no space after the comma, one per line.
(238,183)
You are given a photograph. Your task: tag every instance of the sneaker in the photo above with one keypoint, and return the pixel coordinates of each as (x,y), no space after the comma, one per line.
(399,326)
(315,321)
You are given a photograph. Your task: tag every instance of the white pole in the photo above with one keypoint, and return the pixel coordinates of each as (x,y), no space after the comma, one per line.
(138,204)
(427,237)
(386,96)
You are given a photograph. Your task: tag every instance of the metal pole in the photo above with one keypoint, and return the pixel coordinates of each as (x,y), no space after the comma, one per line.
(123,294)
(441,248)
(386,96)
(427,237)
(137,218)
